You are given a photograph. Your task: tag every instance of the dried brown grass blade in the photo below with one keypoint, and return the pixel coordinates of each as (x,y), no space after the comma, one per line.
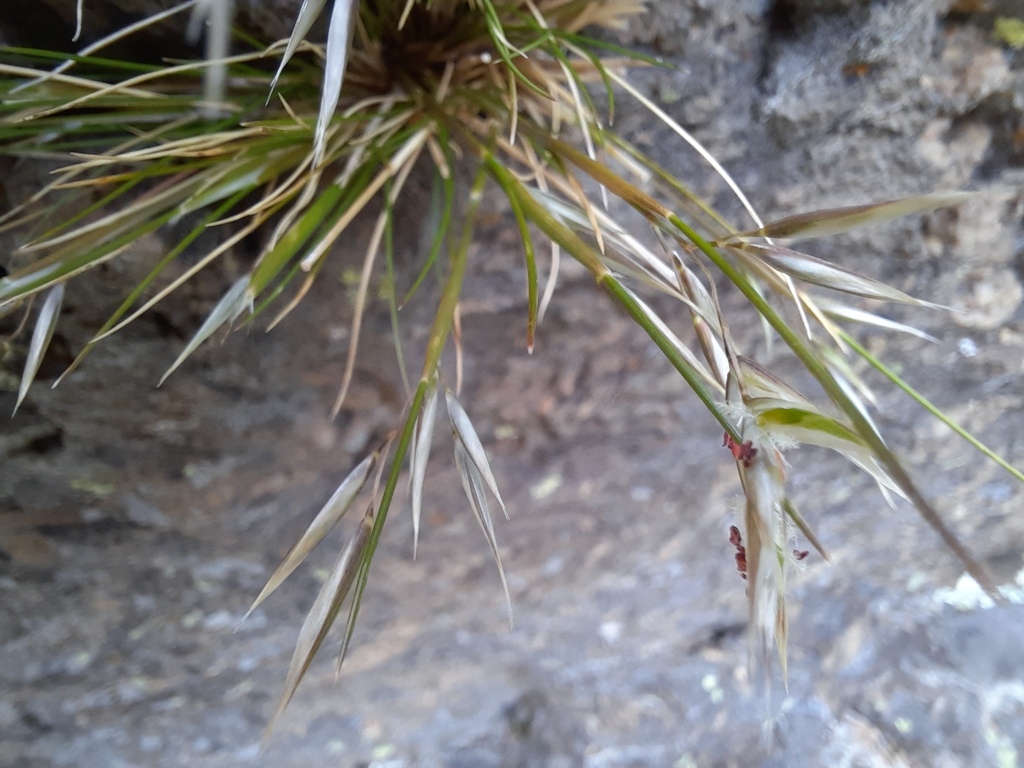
(832,221)
(372,249)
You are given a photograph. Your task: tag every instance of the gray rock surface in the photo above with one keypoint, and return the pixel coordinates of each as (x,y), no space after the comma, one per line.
(139,523)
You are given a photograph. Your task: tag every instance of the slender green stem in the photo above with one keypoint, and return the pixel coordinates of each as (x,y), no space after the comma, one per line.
(925,403)
(540,216)
(863,427)
(440,234)
(392,287)
(439,333)
(531,270)
(586,255)
(651,208)
(617,291)
(457,270)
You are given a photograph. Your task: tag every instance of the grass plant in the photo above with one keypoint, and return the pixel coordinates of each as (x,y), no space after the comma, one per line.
(516,95)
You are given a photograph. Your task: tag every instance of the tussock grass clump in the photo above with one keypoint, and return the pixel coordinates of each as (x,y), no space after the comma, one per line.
(516,95)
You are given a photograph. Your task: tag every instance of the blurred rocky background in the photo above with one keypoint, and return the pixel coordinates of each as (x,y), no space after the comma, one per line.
(136,524)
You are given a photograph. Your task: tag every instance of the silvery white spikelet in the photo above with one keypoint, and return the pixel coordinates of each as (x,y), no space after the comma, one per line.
(767,548)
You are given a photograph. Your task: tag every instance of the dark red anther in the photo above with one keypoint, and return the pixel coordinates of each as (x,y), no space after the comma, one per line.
(741,553)
(741,563)
(744,452)
(800,554)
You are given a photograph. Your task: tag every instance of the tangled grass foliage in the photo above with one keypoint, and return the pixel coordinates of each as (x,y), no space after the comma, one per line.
(518,96)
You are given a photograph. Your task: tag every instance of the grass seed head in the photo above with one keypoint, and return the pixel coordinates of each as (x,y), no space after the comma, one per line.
(517,94)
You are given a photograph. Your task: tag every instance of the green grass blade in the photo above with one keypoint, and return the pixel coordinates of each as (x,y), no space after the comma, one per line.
(925,403)
(436,341)
(814,366)
(587,256)
(530,258)
(440,233)
(71,264)
(272,262)
(143,284)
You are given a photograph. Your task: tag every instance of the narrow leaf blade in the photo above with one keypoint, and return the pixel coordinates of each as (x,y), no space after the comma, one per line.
(325,610)
(473,485)
(307,14)
(931,408)
(806,530)
(231,305)
(328,516)
(835,220)
(45,325)
(467,436)
(338,37)
(423,434)
(817,271)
